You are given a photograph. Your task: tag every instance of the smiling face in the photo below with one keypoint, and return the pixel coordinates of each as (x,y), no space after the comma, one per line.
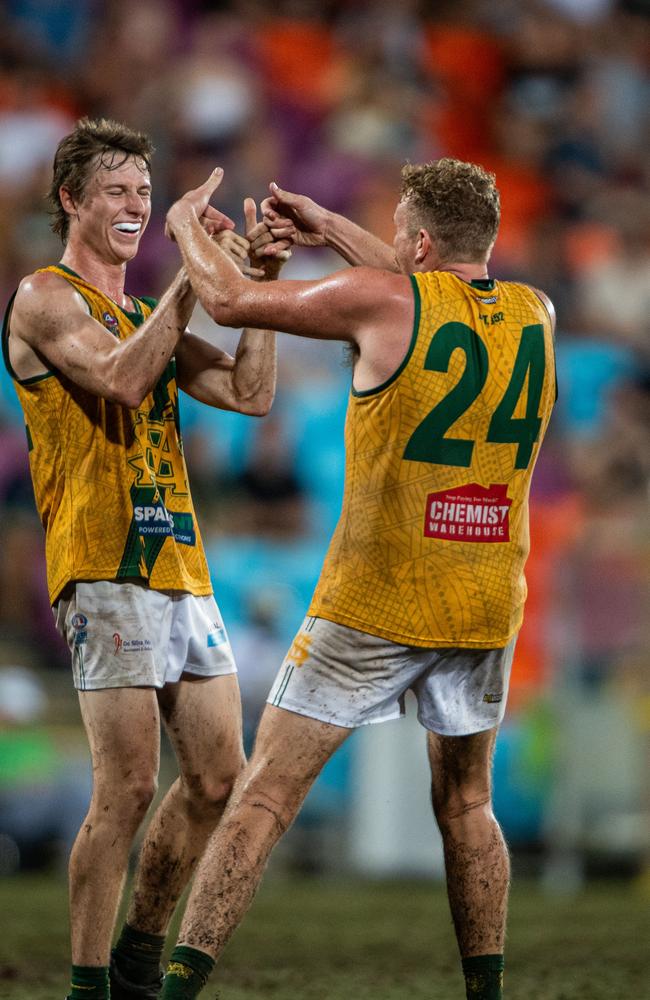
(113,212)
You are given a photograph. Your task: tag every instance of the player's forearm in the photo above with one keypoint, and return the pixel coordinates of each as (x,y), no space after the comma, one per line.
(357,246)
(255,372)
(215,278)
(140,361)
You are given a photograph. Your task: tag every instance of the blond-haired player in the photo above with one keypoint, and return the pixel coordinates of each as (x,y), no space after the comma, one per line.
(423,585)
(97,371)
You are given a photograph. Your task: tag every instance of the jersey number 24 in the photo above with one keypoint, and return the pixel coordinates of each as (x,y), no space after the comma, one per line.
(428,442)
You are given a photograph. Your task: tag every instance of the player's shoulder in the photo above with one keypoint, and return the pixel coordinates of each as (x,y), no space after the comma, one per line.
(375,281)
(533,294)
(44,299)
(546,302)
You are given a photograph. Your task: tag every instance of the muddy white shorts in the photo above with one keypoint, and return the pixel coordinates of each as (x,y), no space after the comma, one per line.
(349,678)
(127,635)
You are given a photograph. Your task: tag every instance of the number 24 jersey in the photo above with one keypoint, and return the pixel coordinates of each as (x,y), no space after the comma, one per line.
(433,534)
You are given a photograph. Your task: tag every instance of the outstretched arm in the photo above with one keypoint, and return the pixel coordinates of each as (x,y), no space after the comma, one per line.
(298,219)
(245,383)
(350,305)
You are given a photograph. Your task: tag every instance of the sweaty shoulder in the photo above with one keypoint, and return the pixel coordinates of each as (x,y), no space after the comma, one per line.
(383,302)
(42,299)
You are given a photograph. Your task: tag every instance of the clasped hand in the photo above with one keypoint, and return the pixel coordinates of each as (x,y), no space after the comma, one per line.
(258,254)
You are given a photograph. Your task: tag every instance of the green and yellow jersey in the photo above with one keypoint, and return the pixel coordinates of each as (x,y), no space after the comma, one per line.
(110,483)
(433,535)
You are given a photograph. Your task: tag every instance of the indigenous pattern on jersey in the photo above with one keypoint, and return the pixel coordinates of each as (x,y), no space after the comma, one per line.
(433,534)
(110,483)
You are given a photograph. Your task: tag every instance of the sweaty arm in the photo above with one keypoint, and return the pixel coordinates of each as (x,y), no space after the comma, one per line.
(52,319)
(245,383)
(350,305)
(297,218)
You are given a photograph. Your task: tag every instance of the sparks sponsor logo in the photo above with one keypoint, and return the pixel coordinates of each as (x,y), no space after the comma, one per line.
(299,651)
(469,513)
(117,642)
(109,320)
(492,698)
(155,519)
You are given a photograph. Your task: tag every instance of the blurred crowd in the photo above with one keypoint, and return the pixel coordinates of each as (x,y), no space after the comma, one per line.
(330,99)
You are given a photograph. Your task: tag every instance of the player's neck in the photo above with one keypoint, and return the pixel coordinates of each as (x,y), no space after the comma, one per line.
(466,272)
(107,277)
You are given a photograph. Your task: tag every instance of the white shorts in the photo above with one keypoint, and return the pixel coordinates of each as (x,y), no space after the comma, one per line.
(127,635)
(349,678)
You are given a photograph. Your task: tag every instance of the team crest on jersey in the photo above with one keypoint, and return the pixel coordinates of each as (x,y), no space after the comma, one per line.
(469,513)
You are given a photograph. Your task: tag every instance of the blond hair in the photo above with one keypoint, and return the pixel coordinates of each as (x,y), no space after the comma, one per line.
(457,203)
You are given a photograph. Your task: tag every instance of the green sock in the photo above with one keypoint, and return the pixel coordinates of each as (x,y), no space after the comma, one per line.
(187,973)
(89,982)
(137,955)
(484,977)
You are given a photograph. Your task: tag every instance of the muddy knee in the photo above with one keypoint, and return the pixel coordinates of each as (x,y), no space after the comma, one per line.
(128,802)
(207,796)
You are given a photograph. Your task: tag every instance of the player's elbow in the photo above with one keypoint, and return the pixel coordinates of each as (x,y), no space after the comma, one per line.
(258,405)
(222,305)
(261,408)
(131,395)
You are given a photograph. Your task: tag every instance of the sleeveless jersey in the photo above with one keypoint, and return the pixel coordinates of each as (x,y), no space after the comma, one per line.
(433,535)
(110,483)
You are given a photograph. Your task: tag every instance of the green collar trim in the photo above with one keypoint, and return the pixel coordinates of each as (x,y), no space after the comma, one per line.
(131,313)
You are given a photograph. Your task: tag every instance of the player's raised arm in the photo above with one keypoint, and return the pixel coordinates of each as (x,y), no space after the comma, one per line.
(52,319)
(245,383)
(301,220)
(343,306)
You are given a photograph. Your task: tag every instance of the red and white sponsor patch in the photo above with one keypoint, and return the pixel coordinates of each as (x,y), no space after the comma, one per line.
(469,513)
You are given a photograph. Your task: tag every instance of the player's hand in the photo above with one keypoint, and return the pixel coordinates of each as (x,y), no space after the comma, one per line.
(197,202)
(265,251)
(238,248)
(295,217)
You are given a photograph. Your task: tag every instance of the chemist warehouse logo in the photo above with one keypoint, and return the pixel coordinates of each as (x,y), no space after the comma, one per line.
(470,513)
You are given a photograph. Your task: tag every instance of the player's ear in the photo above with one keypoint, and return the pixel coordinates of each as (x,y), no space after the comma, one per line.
(422,246)
(67,201)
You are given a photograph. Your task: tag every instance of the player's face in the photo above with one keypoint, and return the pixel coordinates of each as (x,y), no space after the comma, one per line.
(405,241)
(114,210)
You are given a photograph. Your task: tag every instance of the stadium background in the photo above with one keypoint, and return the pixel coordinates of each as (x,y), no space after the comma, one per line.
(330,99)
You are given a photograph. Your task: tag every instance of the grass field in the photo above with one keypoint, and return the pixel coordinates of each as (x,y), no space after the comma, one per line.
(322,940)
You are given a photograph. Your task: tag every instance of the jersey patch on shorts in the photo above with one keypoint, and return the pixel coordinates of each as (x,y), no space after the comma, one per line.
(492,698)
(299,652)
(469,513)
(217,637)
(79,623)
(130,645)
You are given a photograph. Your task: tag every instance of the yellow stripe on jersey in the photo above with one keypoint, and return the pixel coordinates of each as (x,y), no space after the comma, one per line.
(110,483)
(433,535)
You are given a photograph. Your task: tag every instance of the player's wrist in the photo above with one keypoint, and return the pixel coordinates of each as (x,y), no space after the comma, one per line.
(181,212)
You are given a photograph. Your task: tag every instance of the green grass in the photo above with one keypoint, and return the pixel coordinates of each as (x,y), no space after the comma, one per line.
(311,940)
